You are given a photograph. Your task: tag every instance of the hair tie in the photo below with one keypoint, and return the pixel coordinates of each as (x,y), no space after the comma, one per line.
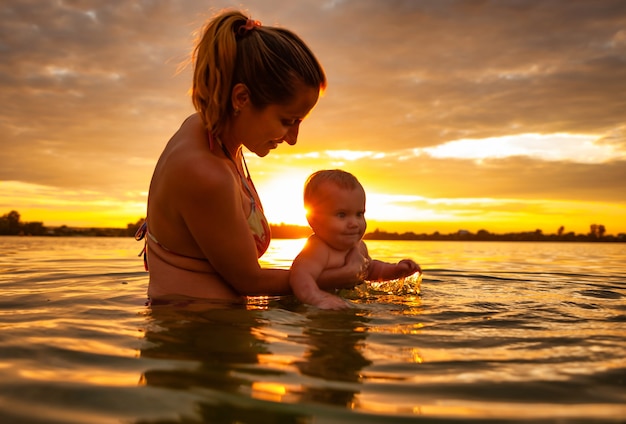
(248,26)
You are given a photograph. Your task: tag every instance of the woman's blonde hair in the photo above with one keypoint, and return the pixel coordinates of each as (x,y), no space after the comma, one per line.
(272,62)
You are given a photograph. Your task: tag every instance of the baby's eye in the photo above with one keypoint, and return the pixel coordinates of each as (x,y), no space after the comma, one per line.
(341,214)
(360,214)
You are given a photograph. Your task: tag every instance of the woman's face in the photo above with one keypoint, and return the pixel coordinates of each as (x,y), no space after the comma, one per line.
(262,130)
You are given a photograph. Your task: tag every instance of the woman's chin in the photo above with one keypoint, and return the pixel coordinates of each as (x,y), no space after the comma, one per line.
(262,153)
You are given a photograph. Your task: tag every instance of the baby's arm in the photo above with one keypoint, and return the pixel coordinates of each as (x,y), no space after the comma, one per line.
(382,271)
(306,269)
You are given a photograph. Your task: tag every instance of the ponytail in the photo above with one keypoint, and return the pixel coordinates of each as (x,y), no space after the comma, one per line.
(214,57)
(270,61)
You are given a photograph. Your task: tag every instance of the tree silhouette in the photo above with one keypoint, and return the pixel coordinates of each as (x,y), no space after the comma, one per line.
(10,223)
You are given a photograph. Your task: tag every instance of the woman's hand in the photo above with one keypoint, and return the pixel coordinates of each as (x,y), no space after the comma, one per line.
(353,272)
(358,264)
(325,300)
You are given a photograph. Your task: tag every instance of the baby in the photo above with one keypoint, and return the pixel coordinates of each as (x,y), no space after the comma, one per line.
(335,204)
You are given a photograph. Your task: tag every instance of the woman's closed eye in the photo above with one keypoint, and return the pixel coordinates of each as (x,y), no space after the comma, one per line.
(291,122)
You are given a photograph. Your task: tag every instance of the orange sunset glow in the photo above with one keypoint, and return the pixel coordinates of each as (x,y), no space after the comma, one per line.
(504,116)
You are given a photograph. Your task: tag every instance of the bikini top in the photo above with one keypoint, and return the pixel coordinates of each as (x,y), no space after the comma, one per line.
(256,220)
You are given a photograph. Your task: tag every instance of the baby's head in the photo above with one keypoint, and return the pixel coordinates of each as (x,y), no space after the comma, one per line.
(335,204)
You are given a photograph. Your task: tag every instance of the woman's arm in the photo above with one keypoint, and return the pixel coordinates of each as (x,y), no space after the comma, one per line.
(349,275)
(306,269)
(212,210)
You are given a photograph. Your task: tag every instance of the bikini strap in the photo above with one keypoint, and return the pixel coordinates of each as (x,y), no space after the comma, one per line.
(141,235)
(247,181)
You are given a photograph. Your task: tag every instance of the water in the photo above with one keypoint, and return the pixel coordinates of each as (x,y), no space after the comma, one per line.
(501,332)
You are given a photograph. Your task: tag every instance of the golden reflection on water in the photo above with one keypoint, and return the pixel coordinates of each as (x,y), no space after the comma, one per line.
(260,303)
(416,356)
(409,405)
(265,390)
(82,345)
(91,376)
(397,329)
(398,404)
(283,362)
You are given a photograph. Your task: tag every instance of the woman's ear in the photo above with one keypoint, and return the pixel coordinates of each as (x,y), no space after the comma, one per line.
(240,96)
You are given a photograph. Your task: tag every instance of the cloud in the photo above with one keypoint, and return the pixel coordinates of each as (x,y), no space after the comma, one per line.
(91,91)
(520,177)
(430,72)
(80,84)
(554,147)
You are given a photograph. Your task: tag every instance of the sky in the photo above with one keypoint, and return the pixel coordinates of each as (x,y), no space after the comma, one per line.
(505,116)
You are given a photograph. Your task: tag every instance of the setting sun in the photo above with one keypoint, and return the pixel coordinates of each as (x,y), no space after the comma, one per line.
(282,198)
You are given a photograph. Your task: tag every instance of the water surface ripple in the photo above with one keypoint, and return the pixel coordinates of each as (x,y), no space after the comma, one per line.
(495,332)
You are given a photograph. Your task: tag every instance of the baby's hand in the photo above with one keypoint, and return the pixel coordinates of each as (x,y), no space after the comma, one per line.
(330,301)
(408,267)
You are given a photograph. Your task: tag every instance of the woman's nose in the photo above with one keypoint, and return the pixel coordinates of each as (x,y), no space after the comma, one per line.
(292,134)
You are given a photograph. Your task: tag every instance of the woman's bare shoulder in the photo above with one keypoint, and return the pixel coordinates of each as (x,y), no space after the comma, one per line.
(189,159)
(199,174)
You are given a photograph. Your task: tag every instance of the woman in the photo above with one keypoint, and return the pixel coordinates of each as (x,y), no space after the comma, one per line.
(252,87)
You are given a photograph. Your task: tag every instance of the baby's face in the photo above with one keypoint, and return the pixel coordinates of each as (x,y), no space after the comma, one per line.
(338,217)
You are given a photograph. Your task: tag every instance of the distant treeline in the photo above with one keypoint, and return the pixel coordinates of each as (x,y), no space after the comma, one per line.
(484,235)
(10,224)
(596,233)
